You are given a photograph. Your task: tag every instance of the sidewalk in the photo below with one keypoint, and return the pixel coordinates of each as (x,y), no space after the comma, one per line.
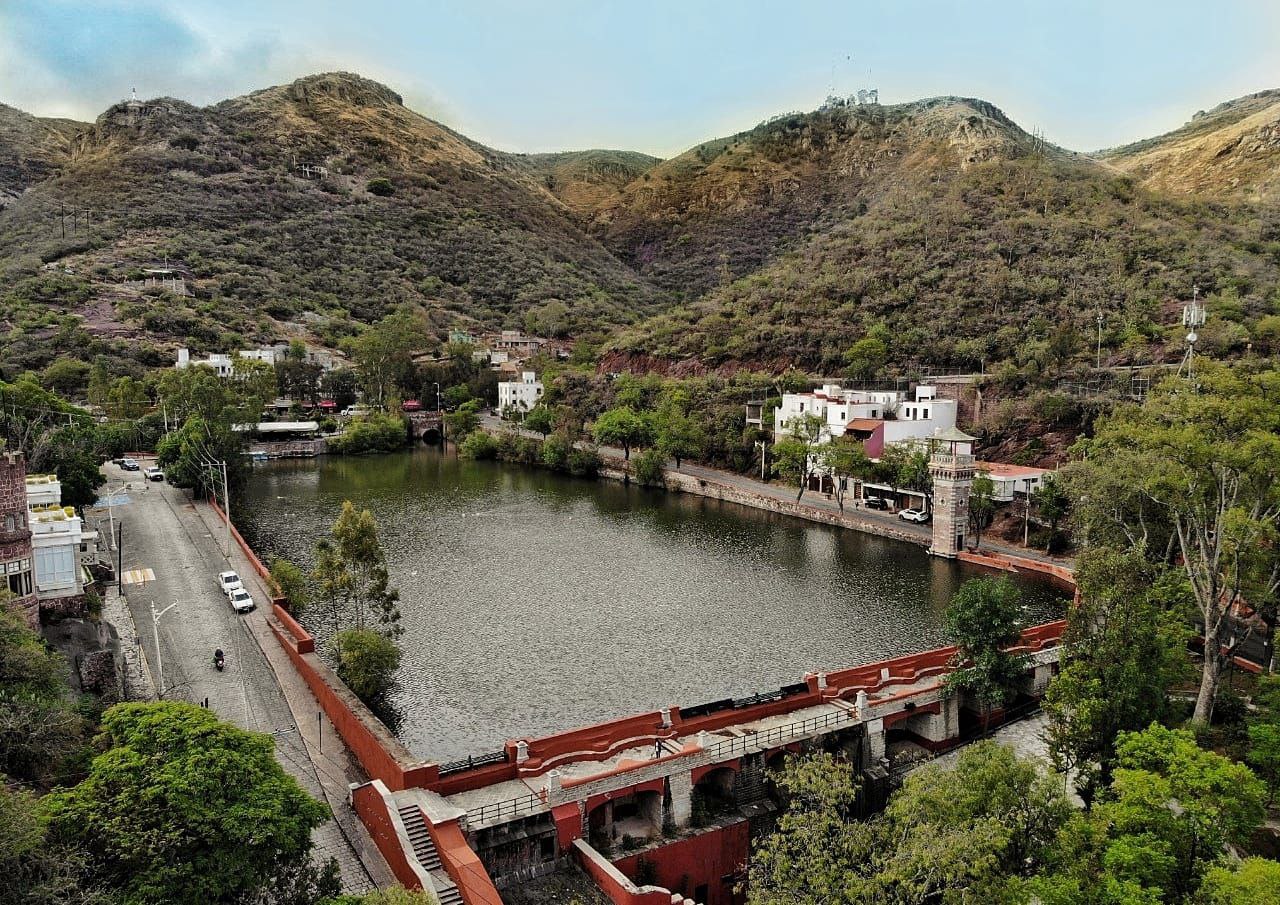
(312,751)
(822,508)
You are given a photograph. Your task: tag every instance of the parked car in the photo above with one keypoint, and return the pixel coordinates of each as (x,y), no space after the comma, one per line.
(154,474)
(229,581)
(130,465)
(875,502)
(919,516)
(241,600)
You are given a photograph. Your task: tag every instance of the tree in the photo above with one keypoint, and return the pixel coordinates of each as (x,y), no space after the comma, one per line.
(340,385)
(948,835)
(381,187)
(367,662)
(866,357)
(1264,755)
(463,420)
(292,584)
(384,353)
(127,398)
(679,436)
(1254,881)
(66,376)
(396,895)
(621,426)
(352,569)
(33,870)
(982,504)
(39,726)
(1190,478)
(982,620)
(1052,504)
(1124,648)
(795,456)
(72,452)
(181,807)
(648,468)
(541,420)
(844,458)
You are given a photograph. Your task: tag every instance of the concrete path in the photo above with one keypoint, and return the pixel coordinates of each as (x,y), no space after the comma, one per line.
(871,520)
(166,533)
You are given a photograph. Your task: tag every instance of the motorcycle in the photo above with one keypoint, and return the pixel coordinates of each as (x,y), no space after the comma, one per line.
(218,660)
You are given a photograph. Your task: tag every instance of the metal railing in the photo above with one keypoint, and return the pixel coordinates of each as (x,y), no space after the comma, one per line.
(472,761)
(732,747)
(509,809)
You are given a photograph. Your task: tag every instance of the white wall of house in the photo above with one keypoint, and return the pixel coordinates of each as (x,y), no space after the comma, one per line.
(916,418)
(522,394)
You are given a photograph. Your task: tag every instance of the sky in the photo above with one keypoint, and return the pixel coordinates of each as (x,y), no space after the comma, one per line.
(657,76)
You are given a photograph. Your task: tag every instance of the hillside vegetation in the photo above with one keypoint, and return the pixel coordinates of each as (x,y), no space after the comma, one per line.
(939,229)
(1232,150)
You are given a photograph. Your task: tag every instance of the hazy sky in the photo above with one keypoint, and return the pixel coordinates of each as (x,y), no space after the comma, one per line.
(658,76)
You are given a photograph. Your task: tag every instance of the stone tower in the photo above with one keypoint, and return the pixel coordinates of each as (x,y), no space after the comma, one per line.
(951,464)
(17,575)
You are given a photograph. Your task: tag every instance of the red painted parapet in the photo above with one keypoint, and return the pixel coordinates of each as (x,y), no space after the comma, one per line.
(377,811)
(379,752)
(1011,562)
(716,859)
(463,865)
(614,883)
(303,641)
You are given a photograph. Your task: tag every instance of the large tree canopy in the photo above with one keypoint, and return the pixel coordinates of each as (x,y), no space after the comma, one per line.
(1192,479)
(183,808)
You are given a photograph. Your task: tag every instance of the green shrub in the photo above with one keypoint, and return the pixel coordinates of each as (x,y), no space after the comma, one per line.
(367,662)
(478,445)
(380,187)
(647,468)
(376,432)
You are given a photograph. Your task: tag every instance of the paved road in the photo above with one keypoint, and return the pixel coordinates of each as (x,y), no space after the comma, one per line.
(816,501)
(166,533)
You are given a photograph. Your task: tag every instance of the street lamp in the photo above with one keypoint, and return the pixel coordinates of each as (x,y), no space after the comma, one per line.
(437,386)
(763,446)
(155,635)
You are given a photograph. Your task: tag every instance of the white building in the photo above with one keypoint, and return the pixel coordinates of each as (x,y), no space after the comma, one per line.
(1011,481)
(877,417)
(223,364)
(520,395)
(56,538)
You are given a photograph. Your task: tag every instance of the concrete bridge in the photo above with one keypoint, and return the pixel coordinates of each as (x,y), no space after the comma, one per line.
(427,426)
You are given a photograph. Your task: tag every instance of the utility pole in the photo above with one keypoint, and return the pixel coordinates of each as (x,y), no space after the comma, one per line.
(1099,339)
(1026,513)
(62,217)
(155,635)
(120,559)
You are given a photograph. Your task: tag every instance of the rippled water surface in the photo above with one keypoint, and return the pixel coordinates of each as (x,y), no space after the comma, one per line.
(534,603)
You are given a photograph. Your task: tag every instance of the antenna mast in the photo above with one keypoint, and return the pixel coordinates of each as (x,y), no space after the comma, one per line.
(1193,317)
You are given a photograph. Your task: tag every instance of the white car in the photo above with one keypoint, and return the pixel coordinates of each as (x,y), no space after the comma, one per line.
(919,516)
(154,474)
(229,581)
(241,600)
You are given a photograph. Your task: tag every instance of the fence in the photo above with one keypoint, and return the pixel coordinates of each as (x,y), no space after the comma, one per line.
(733,747)
(471,761)
(511,808)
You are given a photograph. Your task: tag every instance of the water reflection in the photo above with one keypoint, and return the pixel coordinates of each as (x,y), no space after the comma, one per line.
(534,602)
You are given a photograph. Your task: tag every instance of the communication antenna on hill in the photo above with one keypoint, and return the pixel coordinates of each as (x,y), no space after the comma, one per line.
(1193,317)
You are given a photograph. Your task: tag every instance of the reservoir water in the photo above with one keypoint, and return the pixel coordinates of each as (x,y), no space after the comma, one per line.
(534,603)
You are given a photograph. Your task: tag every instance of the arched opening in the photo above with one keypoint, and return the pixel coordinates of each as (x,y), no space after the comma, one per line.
(715,795)
(431,435)
(625,822)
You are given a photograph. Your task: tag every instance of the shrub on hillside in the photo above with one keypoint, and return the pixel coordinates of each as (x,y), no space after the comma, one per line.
(647,468)
(381,187)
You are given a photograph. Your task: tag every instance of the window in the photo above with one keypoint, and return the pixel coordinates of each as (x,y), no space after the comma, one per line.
(20,582)
(8,522)
(55,568)
(925,415)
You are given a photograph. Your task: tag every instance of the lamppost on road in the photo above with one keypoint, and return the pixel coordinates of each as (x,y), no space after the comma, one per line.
(437,386)
(155,635)
(763,447)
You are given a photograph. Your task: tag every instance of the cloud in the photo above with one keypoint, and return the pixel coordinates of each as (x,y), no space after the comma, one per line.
(75,60)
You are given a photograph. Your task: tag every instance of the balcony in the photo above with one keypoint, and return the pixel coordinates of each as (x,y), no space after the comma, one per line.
(948,459)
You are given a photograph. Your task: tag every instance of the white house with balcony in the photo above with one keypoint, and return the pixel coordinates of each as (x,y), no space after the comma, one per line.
(57,535)
(877,417)
(520,395)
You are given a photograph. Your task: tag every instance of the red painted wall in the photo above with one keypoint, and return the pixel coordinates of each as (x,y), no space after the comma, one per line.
(707,858)
(341,707)
(462,864)
(371,807)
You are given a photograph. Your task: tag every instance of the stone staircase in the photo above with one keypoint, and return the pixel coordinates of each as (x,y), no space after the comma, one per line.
(424,849)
